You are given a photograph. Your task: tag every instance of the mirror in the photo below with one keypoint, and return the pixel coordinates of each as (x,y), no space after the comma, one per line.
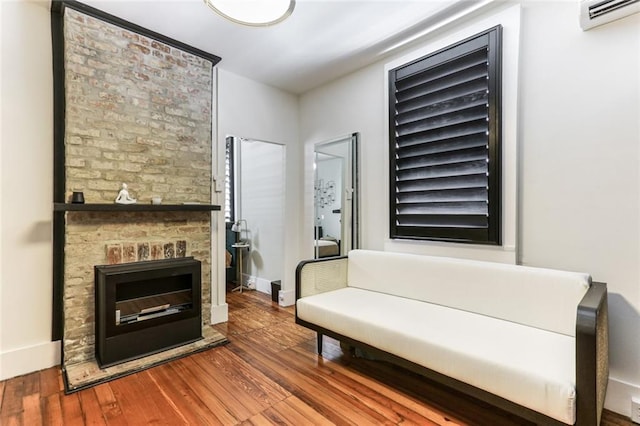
(336,206)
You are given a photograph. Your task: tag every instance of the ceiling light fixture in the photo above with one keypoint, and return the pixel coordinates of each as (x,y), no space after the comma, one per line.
(255,13)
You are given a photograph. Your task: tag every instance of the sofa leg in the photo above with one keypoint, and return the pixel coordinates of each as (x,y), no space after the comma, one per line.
(319,339)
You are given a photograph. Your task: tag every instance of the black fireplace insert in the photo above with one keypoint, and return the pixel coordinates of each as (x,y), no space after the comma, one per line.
(146,307)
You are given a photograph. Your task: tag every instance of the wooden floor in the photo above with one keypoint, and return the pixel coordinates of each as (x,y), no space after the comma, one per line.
(268,374)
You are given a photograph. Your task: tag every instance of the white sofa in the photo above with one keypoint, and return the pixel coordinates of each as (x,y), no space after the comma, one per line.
(532,341)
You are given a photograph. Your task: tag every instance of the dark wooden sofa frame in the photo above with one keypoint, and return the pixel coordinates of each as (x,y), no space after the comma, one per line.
(592,358)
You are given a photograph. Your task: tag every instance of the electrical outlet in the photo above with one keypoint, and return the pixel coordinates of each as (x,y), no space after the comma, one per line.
(635,410)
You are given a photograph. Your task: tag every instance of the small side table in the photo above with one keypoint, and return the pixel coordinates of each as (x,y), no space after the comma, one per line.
(240,246)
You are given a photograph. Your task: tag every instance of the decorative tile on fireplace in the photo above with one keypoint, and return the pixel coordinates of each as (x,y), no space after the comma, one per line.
(181,248)
(169,251)
(114,254)
(140,252)
(157,251)
(129,253)
(143,252)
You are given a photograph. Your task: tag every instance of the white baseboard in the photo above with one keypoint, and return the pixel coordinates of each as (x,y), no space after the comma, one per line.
(27,360)
(219,313)
(619,394)
(287,298)
(262,285)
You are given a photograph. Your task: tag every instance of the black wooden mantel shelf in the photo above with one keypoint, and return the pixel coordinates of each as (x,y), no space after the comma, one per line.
(106,207)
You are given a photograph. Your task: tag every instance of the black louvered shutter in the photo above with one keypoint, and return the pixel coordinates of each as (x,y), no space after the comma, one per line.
(445,143)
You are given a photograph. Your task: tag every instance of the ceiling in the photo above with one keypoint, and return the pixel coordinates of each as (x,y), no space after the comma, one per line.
(321,41)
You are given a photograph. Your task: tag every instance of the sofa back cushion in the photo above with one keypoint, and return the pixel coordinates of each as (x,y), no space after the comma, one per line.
(542,298)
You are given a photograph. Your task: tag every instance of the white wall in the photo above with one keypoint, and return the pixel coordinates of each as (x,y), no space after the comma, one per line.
(351,104)
(579,170)
(26,171)
(580,139)
(255,111)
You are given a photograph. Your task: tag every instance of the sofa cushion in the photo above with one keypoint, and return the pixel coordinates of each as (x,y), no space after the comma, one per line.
(542,298)
(526,365)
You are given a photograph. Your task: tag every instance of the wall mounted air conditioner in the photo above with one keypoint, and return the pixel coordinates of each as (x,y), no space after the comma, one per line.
(598,12)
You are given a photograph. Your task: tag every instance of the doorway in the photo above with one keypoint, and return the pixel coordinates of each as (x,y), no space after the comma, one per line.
(255,205)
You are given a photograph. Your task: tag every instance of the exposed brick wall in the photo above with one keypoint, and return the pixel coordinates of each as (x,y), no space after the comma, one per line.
(139,112)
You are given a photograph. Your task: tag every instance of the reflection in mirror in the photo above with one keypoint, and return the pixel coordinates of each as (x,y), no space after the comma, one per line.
(336,197)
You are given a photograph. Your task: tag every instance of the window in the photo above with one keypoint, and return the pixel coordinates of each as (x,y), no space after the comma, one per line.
(229,187)
(444,143)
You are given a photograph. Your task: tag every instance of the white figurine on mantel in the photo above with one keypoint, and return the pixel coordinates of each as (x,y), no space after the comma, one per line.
(124,197)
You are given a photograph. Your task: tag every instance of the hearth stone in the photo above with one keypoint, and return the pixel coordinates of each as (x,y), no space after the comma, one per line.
(82,375)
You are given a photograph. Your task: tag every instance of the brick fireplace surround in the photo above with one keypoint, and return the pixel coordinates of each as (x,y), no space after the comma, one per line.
(136,110)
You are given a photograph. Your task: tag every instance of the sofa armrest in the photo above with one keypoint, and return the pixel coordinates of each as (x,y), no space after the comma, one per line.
(321,275)
(592,355)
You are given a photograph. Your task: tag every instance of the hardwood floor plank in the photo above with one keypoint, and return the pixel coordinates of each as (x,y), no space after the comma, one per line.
(91,408)
(279,336)
(337,407)
(12,400)
(380,398)
(132,395)
(179,393)
(383,396)
(236,388)
(71,410)
(310,414)
(437,396)
(109,405)
(269,374)
(258,420)
(243,374)
(327,379)
(299,413)
(275,418)
(13,420)
(251,318)
(31,384)
(425,392)
(32,414)
(614,419)
(52,410)
(167,408)
(218,400)
(50,381)
(289,379)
